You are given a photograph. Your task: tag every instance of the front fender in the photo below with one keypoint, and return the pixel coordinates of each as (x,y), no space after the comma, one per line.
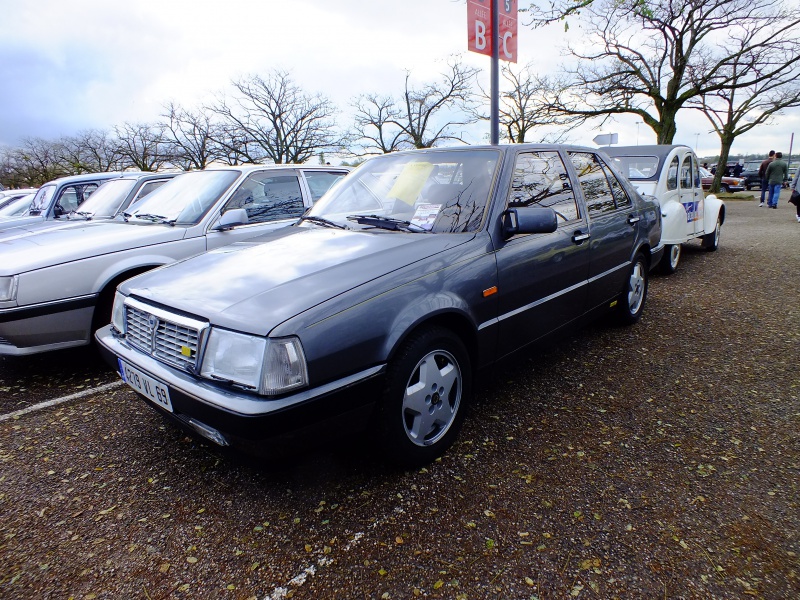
(714,207)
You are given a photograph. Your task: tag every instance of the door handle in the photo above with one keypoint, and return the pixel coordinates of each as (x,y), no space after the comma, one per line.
(633,219)
(579,237)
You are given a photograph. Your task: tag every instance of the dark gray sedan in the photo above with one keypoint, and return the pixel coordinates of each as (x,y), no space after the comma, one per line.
(378,307)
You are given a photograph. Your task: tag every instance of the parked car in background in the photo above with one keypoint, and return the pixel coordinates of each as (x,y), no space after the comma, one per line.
(57,284)
(377,308)
(750,175)
(16,207)
(56,199)
(727,185)
(673,175)
(8,196)
(116,195)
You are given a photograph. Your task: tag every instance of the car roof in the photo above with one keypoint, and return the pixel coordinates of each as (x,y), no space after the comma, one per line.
(660,151)
(85,177)
(260,167)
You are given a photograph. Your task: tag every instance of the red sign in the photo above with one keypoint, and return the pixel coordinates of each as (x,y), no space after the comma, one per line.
(479,28)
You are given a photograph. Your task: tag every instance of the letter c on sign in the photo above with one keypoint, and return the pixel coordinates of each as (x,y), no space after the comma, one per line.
(506,35)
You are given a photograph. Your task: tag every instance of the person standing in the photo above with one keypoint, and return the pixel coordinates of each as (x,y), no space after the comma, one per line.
(794,188)
(762,175)
(777,173)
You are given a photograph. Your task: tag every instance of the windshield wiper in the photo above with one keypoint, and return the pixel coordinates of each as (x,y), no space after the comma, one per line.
(387,223)
(154,218)
(324,222)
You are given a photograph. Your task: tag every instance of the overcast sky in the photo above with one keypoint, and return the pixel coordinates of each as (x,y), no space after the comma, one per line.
(70,65)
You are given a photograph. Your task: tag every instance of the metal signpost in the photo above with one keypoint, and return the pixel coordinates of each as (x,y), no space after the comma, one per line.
(492,30)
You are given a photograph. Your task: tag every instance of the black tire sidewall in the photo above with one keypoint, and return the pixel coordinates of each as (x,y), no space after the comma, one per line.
(389,430)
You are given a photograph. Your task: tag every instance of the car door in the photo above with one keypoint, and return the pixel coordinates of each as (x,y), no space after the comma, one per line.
(691,195)
(272,199)
(541,277)
(612,226)
(70,197)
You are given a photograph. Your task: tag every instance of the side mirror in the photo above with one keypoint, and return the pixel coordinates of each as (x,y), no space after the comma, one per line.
(529,219)
(231,218)
(58,211)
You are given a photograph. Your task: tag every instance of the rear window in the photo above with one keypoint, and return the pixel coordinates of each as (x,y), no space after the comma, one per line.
(637,167)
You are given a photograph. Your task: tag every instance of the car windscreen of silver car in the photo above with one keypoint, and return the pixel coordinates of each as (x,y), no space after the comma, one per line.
(185,199)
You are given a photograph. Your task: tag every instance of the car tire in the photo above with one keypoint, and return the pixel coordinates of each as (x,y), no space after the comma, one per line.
(672,256)
(724,189)
(428,384)
(711,240)
(630,303)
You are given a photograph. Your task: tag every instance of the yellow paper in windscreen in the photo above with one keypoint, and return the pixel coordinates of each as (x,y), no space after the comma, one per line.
(409,183)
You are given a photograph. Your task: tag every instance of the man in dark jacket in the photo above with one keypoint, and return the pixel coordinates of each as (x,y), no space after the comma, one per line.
(762,175)
(777,173)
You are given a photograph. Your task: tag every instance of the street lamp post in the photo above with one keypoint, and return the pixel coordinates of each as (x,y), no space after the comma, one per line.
(696,140)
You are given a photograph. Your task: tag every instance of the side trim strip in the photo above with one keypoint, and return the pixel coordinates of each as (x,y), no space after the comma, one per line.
(541,301)
(48,308)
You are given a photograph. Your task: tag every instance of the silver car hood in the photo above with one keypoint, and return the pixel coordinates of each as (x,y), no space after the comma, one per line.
(254,287)
(8,222)
(27,249)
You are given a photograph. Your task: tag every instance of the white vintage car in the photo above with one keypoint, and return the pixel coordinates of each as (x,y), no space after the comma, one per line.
(672,175)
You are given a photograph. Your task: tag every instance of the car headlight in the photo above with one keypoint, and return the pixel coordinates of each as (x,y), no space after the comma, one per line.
(8,288)
(269,366)
(118,313)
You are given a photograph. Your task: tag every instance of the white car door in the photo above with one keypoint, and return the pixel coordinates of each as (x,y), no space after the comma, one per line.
(691,195)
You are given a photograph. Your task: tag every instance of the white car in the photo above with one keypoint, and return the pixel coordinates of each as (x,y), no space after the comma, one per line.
(672,175)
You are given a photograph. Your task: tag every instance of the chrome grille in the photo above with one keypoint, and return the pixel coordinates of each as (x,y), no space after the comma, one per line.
(4,342)
(164,336)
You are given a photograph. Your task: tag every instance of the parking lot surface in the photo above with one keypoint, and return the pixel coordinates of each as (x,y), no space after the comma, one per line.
(656,461)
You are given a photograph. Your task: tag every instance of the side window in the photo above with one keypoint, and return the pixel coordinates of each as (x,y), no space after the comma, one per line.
(617,189)
(672,175)
(686,172)
(269,197)
(320,182)
(592,178)
(698,181)
(148,187)
(541,179)
(72,196)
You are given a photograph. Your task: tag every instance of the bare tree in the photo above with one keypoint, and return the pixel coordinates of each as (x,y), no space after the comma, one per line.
(193,138)
(36,162)
(277,120)
(142,145)
(375,125)
(90,151)
(525,106)
(651,58)
(427,115)
(733,112)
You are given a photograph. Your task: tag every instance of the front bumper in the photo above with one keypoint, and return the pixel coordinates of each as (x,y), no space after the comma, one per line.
(249,421)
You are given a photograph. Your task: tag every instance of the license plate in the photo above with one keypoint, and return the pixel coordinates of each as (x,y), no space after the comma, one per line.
(144,384)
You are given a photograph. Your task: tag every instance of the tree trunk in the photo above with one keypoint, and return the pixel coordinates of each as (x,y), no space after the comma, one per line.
(726,141)
(667,127)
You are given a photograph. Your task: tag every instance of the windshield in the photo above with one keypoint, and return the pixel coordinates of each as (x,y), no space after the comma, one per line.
(107,199)
(436,190)
(705,172)
(18,207)
(185,199)
(41,201)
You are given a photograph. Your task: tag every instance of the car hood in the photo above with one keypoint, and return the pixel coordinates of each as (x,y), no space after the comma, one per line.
(9,222)
(256,286)
(29,248)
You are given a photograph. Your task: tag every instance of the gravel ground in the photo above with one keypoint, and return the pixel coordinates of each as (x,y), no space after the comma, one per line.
(657,461)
